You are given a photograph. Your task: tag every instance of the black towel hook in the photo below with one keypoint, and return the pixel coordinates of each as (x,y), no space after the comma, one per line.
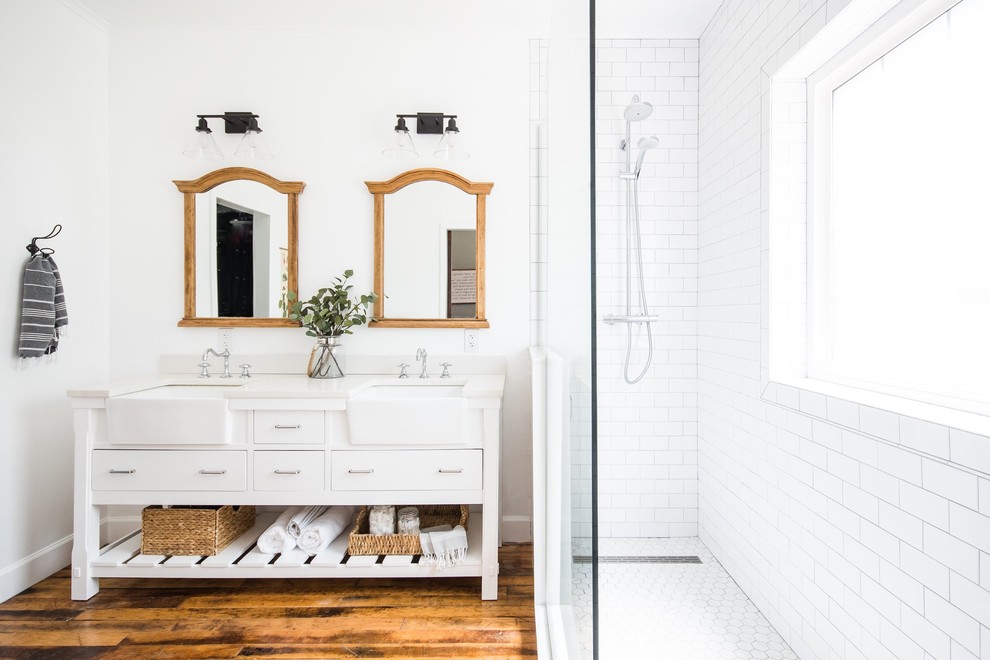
(34,249)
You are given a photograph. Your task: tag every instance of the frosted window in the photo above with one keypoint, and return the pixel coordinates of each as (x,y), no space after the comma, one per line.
(907,243)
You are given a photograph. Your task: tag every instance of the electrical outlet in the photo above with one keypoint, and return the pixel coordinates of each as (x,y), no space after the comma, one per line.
(470,340)
(225,338)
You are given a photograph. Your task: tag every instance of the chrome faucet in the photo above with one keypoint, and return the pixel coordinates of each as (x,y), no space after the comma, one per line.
(205,373)
(421,354)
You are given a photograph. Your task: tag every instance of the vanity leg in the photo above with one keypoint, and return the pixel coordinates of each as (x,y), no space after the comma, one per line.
(86,516)
(490,508)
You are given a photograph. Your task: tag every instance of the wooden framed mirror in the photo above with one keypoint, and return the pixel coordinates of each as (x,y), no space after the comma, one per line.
(241,231)
(429,250)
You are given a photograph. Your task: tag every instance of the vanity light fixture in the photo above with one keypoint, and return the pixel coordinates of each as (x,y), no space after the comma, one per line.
(428,123)
(252,146)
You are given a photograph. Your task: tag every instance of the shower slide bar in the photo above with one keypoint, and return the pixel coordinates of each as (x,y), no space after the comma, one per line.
(630,318)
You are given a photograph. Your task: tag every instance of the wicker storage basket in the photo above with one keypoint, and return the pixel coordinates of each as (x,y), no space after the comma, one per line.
(192,530)
(361,542)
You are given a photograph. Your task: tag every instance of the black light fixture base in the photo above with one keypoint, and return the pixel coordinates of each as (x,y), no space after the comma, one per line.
(237,122)
(430,123)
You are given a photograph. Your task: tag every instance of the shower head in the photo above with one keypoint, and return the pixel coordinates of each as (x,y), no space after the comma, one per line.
(637,110)
(645,144)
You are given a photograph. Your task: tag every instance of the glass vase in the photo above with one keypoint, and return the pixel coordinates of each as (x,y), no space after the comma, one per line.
(327,359)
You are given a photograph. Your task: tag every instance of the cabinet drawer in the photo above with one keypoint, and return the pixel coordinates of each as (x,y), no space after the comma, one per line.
(304,427)
(288,470)
(169,470)
(406,470)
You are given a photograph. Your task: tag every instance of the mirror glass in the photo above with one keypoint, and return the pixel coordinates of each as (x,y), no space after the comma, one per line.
(241,239)
(430,245)
(241,251)
(429,250)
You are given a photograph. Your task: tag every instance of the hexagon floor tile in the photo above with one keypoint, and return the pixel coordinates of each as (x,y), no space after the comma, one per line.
(661,611)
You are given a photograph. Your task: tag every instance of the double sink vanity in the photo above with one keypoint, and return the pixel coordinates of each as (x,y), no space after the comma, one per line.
(278,440)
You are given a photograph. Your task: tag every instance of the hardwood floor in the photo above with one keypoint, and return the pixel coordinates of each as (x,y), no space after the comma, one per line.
(277,618)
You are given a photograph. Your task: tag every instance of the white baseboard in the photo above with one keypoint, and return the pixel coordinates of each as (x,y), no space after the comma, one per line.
(35,567)
(517,529)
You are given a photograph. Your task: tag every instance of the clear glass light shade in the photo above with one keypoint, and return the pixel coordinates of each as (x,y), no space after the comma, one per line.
(253,146)
(404,148)
(202,146)
(447,148)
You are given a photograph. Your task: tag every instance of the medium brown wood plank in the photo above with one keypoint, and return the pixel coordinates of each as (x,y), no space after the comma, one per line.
(276,618)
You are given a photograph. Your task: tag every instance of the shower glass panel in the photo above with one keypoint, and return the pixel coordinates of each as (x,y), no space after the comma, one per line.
(563,322)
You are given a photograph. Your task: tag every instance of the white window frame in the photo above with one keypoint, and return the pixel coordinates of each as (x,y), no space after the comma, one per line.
(785,216)
(898,25)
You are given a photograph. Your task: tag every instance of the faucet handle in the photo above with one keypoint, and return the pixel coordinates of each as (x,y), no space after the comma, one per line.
(402,369)
(204,369)
(446,372)
(244,370)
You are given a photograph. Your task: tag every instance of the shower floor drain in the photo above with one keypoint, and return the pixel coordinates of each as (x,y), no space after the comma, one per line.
(640,559)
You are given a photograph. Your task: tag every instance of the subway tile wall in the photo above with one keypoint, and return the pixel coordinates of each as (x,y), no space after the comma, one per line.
(648,459)
(859,533)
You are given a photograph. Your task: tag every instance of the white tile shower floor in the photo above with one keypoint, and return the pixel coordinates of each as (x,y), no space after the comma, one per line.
(669,611)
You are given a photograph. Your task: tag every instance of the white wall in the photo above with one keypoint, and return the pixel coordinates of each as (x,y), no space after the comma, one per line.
(647,432)
(859,533)
(327,100)
(53,128)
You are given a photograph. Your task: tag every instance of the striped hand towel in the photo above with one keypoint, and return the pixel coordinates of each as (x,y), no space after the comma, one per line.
(43,312)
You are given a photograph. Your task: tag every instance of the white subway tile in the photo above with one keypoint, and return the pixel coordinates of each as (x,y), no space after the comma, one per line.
(899,462)
(902,585)
(879,483)
(970,450)
(970,597)
(951,483)
(924,504)
(901,524)
(953,621)
(860,447)
(970,526)
(842,412)
(947,549)
(881,423)
(925,436)
(930,637)
(959,651)
(924,569)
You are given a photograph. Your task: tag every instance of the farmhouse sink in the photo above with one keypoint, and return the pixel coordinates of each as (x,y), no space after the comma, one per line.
(171,414)
(416,412)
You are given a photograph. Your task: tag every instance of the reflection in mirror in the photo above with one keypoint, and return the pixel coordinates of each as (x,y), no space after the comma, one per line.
(241,251)
(241,233)
(417,262)
(429,250)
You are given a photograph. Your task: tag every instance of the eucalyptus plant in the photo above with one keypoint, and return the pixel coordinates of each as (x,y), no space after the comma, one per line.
(331,312)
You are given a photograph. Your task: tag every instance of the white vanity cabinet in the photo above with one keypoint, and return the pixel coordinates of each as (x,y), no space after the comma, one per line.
(289,445)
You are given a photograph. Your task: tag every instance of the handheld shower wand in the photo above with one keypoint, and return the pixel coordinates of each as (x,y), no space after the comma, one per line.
(636,111)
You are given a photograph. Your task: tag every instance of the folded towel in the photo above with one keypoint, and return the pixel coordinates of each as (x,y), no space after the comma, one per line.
(443,546)
(276,538)
(304,517)
(43,313)
(321,532)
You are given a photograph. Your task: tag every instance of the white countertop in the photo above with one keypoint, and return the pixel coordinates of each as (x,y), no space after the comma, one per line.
(294,386)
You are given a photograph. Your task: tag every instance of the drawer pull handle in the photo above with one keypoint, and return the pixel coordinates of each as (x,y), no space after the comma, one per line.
(288,426)
(131,471)
(213,472)
(288,471)
(451,470)
(361,471)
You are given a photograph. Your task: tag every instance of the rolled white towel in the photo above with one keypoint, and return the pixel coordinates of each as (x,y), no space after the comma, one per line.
(303,518)
(321,532)
(276,538)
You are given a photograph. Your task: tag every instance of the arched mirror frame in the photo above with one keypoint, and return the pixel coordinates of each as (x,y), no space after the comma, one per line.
(208,181)
(381,188)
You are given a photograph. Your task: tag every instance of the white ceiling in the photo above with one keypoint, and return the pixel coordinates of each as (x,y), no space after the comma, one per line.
(614,18)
